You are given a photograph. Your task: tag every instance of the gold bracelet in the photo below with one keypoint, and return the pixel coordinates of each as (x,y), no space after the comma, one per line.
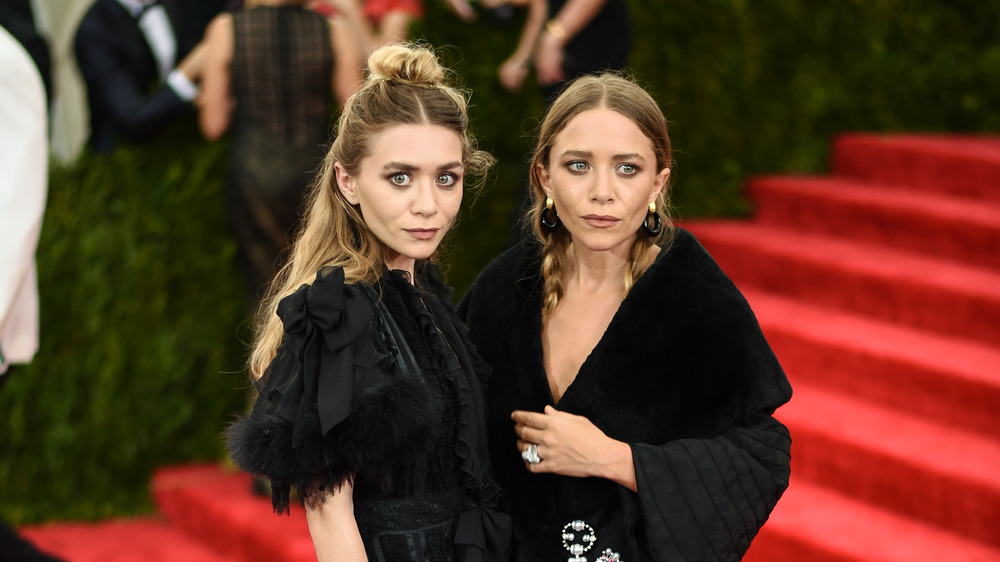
(556,29)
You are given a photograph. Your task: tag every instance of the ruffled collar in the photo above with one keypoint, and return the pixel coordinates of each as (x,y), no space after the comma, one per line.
(464,370)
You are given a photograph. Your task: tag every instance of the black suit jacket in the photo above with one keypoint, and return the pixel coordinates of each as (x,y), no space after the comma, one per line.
(124,93)
(18,18)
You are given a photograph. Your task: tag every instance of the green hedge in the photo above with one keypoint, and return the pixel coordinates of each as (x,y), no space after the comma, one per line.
(143,308)
(140,355)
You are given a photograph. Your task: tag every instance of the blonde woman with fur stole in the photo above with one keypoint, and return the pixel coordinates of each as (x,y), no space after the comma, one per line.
(371,397)
(630,407)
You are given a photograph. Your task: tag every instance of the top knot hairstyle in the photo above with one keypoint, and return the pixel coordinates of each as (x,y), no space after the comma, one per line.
(407,65)
(405,84)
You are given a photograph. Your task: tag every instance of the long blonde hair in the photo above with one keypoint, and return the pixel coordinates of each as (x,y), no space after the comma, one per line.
(404,84)
(619,94)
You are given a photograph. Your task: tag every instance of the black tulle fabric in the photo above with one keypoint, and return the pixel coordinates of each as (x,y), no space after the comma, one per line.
(341,400)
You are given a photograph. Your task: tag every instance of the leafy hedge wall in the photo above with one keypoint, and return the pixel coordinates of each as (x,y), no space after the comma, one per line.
(143,309)
(140,355)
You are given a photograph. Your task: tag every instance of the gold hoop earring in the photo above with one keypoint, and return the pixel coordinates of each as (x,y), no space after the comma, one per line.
(654,226)
(549,217)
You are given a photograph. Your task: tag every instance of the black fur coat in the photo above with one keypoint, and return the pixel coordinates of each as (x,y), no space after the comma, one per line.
(682,374)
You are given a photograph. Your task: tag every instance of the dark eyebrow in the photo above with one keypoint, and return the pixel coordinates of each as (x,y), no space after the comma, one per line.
(578,154)
(399,166)
(404,167)
(629,156)
(589,154)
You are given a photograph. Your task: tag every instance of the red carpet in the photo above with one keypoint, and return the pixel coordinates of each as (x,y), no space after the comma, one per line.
(879,289)
(120,541)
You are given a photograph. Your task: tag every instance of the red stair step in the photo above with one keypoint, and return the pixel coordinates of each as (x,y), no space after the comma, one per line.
(917,291)
(944,476)
(134,540)
(819,525)
(953,381)
(214,504)
(965,230)
(963,165)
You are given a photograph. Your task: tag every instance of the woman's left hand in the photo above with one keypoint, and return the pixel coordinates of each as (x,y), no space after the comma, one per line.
(572,445)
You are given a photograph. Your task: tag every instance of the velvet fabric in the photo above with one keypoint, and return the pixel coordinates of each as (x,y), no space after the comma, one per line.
(682,374)
(377,385)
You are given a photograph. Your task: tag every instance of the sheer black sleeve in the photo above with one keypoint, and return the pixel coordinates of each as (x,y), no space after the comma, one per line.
(331,404)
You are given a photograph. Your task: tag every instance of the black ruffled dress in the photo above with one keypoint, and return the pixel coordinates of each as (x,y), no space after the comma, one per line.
(380,382)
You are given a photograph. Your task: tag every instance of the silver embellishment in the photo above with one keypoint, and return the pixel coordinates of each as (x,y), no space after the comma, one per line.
(588,539)
(530,455)
(609,556)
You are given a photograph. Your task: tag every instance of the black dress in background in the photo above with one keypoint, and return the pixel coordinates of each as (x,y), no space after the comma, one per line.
(282,72)
(603,44)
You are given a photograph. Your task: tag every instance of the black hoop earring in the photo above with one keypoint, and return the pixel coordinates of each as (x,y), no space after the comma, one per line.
(657,224)
(549,222)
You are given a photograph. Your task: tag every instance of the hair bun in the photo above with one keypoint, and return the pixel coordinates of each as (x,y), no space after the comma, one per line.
(409,64)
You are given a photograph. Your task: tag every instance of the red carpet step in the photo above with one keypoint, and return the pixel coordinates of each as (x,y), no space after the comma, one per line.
(921,292)
(816,524)
(139,540)
(926,470)
(964,166)
(879,289)
(967,231)
(213,505)
(951,380)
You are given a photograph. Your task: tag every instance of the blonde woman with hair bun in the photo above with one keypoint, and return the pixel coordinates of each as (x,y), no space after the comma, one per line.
(370,396)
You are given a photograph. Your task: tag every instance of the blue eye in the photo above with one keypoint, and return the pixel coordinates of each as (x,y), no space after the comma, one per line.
(628,169)
(399,179)
(447,179)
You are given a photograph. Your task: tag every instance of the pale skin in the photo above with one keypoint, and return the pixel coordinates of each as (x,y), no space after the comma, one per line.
(539,44)
(215,103)
(409,190)
(514,69)
(334,530)
(574,16)
(193,64)
(602,175)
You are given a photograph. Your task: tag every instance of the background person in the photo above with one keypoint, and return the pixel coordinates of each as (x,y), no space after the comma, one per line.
(632,394)
(273,73)
(565,39)
(23,188)
(140,66)
(383,22)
